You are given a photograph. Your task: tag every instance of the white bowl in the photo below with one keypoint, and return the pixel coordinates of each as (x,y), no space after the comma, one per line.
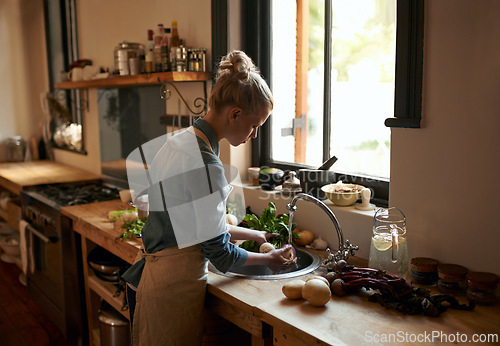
(342,194)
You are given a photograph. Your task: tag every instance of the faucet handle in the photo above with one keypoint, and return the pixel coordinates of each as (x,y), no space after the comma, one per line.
(349,249)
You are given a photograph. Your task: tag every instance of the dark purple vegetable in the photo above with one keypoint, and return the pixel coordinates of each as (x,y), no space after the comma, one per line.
(390,291)
(337,288)
(340,265)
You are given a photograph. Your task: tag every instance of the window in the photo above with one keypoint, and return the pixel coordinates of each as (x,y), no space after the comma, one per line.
(64,106)
(361,51)
(342,72)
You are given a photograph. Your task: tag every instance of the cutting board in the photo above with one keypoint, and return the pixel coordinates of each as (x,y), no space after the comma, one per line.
(15,176)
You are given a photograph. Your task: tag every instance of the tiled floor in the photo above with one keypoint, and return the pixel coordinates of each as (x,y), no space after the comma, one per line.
(21,320)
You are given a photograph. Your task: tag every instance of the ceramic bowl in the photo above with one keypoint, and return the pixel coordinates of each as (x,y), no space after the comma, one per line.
(342,194)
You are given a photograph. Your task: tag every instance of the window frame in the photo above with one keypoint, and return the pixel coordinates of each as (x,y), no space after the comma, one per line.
(61,38)
(256,31)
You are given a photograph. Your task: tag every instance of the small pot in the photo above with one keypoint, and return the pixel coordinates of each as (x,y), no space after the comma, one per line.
(105,265)
(269,178)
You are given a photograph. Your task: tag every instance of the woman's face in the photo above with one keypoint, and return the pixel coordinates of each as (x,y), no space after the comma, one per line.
(245,126)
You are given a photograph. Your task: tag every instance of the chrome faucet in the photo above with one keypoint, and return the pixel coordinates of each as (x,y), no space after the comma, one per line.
(345,249)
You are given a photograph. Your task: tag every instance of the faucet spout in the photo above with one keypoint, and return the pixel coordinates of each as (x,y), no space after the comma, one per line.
(344,248)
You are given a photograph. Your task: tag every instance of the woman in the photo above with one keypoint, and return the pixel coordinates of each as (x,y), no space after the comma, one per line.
(166,285)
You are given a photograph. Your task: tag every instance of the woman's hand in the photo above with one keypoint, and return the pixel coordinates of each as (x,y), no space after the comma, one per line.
(241,233)
(275,259)
(262,236)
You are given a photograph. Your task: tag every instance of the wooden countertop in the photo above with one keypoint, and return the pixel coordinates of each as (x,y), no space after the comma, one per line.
(91,220)
(14,176)
(253,304)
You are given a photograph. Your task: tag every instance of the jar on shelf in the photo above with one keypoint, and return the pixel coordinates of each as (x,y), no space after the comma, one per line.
(123,52)
(424,271)
(16,149)
(452,279)
(196,60)
(482,287)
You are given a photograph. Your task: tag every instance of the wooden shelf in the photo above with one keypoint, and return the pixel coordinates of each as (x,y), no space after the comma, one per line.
(137,80)
(106,290)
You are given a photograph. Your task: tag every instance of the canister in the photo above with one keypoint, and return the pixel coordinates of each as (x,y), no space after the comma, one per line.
(179,62)
(196,59)
(424,270)
(253,175)
(16,149)
(482,287)
(123,52)
(452,278)
(114,328)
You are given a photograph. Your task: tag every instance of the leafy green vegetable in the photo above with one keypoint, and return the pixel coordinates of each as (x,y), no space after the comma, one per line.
(114,215)
(132,228)
(269,222)
(250,245)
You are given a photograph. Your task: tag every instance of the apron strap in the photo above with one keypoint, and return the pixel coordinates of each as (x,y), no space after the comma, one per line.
(198,133)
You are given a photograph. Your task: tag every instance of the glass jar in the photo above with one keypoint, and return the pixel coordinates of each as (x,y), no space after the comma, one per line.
(452,279)
(16,149)
(482,287)
(424,271)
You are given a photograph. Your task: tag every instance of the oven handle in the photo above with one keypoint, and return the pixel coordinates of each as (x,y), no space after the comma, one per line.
(40,235)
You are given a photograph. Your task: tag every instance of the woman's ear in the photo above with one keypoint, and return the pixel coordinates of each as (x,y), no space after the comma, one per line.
(234,113)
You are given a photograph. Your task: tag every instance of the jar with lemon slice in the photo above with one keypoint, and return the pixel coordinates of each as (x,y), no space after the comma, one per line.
(389,248)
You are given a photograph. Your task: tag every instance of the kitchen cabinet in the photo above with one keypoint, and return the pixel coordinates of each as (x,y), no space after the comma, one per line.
(259,307)
(90,221)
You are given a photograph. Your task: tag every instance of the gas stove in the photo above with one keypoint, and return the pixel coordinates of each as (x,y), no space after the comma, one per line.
(68,194)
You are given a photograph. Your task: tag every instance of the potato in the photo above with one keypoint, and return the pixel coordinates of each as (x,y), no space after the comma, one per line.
(305,237)
(319,278)
(266,247)
(293,289)
(316,292)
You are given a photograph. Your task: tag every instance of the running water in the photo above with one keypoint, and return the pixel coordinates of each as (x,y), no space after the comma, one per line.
(290,221)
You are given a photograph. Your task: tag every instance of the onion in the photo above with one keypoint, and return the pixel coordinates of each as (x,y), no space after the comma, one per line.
(289,254)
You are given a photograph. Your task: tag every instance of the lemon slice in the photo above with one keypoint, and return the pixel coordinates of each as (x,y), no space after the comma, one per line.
(385,243)
(382,244)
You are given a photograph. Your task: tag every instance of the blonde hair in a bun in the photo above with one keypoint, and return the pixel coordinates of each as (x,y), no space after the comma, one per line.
(240,84)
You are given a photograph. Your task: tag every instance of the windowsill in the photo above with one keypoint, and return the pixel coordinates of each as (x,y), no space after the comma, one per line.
(356,224)
(286,194)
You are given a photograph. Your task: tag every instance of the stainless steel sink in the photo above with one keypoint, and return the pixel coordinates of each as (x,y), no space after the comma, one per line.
(307,261)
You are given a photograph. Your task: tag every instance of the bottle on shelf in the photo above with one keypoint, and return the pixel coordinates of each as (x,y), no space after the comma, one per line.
(149,55)
(165,58)
(174,43)
(174,40)
(160,32)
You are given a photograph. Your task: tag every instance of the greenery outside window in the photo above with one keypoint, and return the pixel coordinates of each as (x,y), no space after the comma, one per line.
(348,65)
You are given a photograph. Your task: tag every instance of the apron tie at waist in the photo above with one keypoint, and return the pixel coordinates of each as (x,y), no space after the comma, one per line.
(153,257)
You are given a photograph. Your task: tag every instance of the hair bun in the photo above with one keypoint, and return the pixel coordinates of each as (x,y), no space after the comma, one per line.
(237,64)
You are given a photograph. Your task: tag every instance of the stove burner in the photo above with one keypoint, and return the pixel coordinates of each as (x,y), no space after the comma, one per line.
(79,193)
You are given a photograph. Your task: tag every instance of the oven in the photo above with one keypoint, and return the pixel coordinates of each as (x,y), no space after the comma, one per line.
(55,278)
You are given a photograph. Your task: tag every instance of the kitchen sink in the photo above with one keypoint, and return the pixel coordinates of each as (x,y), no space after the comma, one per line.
(307,261)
